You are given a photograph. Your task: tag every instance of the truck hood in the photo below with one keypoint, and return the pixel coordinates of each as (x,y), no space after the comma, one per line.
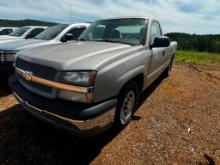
(77,55)
(17,45)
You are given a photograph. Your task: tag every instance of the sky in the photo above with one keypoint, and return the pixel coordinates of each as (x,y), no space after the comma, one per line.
(190,16)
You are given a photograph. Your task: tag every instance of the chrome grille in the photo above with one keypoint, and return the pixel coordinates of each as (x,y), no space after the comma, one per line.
(41,71)
(37,70)
(36,87)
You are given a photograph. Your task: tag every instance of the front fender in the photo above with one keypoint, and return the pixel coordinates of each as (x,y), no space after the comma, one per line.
(111,78)
(111,81)
(131,74)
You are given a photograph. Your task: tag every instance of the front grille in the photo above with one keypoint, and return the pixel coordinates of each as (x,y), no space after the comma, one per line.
(36,69)
(2,59)
(35,86)
(41,71)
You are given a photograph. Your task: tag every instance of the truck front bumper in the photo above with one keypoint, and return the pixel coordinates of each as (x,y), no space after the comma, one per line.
(80,119)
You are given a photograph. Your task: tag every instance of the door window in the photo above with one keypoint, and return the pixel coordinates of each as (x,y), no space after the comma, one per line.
(155,32)
(76,32)
(35,32)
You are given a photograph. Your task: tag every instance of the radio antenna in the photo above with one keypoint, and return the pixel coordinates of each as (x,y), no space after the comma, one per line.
(70,12)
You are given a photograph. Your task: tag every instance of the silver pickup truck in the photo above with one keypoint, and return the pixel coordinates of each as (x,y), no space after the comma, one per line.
(89,85)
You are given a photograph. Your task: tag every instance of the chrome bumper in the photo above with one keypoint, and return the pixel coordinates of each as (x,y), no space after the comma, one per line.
(81,127)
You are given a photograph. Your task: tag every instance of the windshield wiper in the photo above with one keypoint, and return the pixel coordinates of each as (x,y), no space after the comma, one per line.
(82,39)
(105,40)
(115,41)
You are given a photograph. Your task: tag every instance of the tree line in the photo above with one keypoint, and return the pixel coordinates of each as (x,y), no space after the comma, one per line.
(19,23)
(192,42)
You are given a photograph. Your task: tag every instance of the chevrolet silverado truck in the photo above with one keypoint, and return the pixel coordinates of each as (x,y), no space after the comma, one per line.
(92,84)
(52,35)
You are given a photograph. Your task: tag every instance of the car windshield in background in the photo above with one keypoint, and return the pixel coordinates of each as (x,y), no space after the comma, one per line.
(51,32)
(19,32)
(127,31)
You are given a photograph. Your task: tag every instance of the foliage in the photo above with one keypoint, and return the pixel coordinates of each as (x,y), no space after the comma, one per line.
(192,42)
(19,23)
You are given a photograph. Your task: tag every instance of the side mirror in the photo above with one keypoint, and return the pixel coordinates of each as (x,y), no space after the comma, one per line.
(68,37)
(29,36)
(160,42)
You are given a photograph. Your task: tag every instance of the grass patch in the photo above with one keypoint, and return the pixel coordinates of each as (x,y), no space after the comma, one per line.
(197,57)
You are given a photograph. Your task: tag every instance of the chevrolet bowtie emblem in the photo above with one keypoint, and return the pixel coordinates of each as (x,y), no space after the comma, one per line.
(27,76)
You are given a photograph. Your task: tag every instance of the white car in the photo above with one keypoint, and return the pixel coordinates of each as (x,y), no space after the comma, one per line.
(7,30)
(24,32)
(53,35)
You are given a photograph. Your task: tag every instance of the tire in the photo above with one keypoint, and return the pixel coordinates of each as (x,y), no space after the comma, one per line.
(127,104)
(168,70)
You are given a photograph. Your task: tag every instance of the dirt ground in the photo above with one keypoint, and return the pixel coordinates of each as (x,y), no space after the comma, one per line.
(178,122)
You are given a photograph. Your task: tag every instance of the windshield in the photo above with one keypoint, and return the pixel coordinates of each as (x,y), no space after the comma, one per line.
(51,32)
(127,31)
(19,32)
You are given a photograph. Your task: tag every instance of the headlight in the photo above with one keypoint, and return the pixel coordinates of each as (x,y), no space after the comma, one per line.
(2,58)
(9,57)
(83,78)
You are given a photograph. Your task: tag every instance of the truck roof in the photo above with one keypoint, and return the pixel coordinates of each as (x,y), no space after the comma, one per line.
(35,27)
(80,24)
(127,17)
(8,27)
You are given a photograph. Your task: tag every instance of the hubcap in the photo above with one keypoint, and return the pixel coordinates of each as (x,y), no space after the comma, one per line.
(127,108)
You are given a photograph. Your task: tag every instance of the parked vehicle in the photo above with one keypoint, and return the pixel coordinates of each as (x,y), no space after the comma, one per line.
(91,84)
(25,32)
(7,30)
(53,35)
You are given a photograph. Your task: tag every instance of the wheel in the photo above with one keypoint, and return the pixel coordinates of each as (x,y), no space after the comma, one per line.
(167,71)
(127,104)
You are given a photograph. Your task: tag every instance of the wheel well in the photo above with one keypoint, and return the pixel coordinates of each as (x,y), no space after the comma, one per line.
(139,79)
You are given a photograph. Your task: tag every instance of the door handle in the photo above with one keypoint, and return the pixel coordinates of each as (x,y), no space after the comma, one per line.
(163,53)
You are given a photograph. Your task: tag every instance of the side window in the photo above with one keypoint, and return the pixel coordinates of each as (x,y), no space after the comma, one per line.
(76,32)
(35,32)
(155,31)
(6,31)
(97,33)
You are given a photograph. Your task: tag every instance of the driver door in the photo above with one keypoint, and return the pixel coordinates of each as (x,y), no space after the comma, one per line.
(157,54)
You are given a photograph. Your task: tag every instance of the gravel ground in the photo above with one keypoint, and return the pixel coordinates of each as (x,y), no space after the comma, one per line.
(178,122)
